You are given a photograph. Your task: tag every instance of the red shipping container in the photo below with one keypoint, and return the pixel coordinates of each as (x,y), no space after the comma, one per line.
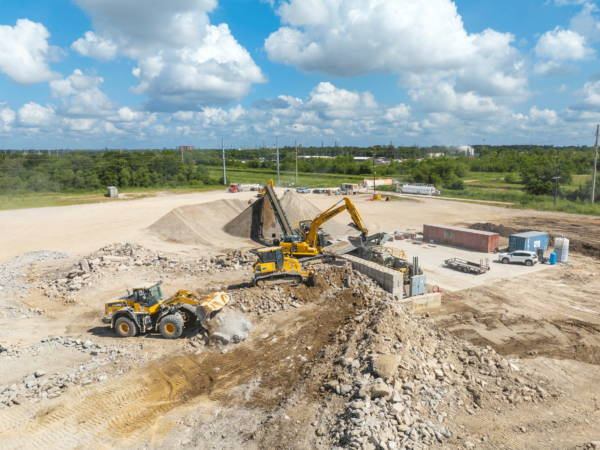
(481,241)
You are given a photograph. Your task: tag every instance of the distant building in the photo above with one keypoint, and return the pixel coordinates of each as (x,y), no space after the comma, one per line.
(435,155)
(186,147)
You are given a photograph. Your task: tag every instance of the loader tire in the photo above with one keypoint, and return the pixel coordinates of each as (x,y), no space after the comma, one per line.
(125,327)
(188,314)
(171,326)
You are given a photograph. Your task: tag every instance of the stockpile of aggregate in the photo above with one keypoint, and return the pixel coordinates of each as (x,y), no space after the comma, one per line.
(198,224)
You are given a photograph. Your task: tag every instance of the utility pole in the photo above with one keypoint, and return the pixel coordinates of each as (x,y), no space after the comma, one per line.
(373,171)
(277,145)
(296,145)
(556,179)
(181,148)
(224,173)
(595,160)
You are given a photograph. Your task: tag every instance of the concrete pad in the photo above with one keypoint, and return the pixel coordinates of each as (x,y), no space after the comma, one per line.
(432,257)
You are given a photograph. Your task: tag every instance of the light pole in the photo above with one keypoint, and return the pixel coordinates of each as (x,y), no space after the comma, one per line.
(556,178)
(595,161)
(224,173)
(277,145)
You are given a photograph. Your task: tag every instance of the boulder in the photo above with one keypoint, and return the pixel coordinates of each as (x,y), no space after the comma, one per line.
(386,365)
(376,389)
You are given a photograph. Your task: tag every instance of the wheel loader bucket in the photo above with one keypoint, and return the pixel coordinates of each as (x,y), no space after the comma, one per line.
(211,304)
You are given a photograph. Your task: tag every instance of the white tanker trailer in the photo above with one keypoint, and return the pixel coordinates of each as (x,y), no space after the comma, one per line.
(420,189)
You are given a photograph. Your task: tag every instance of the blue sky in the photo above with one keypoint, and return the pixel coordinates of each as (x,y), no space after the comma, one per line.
(153,74)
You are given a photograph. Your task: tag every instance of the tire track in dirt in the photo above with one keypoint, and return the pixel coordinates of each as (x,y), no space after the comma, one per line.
(121,411)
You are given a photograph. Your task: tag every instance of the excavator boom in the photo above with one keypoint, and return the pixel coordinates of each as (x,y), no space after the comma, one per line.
(311,237)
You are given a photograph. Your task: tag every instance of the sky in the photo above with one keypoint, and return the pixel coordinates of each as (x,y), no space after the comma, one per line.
(154,74)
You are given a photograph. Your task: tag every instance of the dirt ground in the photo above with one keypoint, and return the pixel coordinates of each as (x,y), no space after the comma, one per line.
(266,392)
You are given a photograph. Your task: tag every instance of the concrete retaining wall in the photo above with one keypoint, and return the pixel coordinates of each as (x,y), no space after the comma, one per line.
(423,303)
(390,280)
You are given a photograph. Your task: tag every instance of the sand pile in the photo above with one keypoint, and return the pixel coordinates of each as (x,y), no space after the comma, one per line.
(198,224)
(255,222)
(297,208)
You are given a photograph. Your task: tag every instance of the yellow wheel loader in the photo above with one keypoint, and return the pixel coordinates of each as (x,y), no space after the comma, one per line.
(275,268)
(146,309)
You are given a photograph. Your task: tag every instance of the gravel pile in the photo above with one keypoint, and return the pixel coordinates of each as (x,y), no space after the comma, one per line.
(404,379)
(10,270)
(39,385)
(120,257)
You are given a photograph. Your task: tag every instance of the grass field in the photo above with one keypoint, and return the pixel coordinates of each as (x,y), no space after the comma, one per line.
(42,200)
(310,180)
(482,186)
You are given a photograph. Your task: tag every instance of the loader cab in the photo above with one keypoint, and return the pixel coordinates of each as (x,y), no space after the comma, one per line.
(271,255)
(148,295)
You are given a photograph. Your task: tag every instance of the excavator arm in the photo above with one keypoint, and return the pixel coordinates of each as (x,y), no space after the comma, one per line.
(311,237)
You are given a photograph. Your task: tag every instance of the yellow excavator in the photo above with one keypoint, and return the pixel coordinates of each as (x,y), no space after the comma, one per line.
(312,239)
(146,309)
(275,268)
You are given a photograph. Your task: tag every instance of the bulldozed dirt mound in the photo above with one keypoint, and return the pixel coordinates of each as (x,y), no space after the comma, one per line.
(493,228)
(198,224)
(297,208)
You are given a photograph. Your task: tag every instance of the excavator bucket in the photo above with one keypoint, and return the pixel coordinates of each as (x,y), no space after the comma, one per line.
(210,305)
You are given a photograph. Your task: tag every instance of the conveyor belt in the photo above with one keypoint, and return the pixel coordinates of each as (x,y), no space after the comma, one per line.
(278,210)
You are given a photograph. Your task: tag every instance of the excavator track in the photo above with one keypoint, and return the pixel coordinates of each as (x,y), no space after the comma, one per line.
(289,278)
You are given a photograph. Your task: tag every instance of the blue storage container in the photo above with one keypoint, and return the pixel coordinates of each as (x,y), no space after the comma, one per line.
(530,241)
(552,259)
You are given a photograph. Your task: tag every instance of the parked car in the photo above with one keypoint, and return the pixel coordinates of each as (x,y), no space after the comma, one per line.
(317,191)
(343,192)
(336,192)
(519,256)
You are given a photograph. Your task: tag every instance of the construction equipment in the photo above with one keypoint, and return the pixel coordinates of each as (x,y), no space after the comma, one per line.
(146,309)
(312,239)
(275,268)
(388,257)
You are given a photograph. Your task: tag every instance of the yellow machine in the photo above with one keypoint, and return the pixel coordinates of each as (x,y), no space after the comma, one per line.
(313,240)
(376,196)
(146,309)
(392,258)
(275,268)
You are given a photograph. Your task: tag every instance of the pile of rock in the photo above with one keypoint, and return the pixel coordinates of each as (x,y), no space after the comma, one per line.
(10,270)
(404,378)
(116,258)
(39,386)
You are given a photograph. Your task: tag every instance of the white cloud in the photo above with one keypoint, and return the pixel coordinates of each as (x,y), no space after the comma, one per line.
(424,42)
(25,53)
(589,97)
(95,47)
(36,116)
(562,45)
(554,69)
(396,113)
(81,95)
(546,116)
(184,62)
(585,23)
(7,116)
(562,88)
(217,71)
